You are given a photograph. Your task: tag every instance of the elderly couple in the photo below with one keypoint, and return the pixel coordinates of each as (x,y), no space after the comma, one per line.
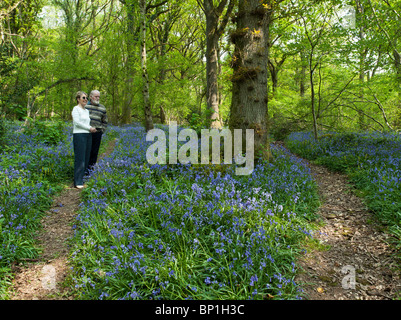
(89,123)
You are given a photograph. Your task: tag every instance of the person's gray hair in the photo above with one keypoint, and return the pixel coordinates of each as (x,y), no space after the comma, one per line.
(93,92)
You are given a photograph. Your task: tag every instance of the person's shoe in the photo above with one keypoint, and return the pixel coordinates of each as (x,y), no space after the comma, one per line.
(79,187)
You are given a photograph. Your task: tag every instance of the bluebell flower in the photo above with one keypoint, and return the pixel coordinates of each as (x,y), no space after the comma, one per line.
(254,279)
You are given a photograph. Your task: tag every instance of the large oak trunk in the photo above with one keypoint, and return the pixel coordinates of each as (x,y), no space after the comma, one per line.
(250,73)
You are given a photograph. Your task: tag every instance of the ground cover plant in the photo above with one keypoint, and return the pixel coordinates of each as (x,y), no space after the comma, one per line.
(190,232)
(372,161)
(31,168)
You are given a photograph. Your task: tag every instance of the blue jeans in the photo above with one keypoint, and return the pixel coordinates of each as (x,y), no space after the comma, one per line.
(82,149)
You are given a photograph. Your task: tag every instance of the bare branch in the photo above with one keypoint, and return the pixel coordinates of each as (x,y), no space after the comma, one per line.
(341,92)
(362,112)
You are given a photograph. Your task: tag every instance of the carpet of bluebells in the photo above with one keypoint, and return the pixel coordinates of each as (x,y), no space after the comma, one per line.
(372,161)
(158,231)
(190,231)
(185,231)
(30,168)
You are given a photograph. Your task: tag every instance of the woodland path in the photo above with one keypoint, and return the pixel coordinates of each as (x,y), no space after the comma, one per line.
(354,246)
(47,277)
(349,234)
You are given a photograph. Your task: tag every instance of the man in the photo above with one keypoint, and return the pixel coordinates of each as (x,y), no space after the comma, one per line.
(98,116)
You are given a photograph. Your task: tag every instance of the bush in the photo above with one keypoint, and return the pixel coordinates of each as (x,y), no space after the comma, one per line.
(280,126)
(50,133)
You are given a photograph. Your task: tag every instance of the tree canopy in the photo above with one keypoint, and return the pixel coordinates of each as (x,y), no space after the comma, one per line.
(330,64)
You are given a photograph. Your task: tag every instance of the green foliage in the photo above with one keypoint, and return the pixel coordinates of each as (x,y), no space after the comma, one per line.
(280,126)
(197,122)
(47,132)
(100,51)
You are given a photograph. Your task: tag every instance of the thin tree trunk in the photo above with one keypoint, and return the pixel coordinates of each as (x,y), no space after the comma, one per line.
(129,82)
(212,40)
(215,25)
(145,78)
(313,107)
(397,64)
(163,38)
(302,75)
(360,11)
(274,70)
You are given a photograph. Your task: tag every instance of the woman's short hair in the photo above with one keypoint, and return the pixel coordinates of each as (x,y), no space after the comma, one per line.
(80,94)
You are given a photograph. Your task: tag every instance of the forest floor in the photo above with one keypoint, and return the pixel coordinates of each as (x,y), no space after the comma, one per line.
(350,241)
(47,278)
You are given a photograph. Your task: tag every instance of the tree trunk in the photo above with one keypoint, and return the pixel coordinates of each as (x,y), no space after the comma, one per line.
(212,40)
(274,75)
(145,78)
(163,117)
(250,72)
(129,83)
(360,17)
(163,38)
(397,65)
(302,75)
(312,87)
(274,70)
(215,25)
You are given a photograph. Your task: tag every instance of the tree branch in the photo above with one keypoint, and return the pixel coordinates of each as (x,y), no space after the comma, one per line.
(55,84)
(360,111)
(341,91)
(152,6)
(226,17)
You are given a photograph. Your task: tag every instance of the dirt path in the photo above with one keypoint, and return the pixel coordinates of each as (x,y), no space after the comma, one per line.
(45,278)
(358,263)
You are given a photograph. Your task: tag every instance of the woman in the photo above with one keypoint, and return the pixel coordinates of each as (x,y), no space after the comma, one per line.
(82,139)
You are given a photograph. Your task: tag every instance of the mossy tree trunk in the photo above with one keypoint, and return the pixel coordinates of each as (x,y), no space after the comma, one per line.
(249,106)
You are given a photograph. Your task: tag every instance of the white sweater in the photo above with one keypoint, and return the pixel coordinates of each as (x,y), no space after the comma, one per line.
(81,120)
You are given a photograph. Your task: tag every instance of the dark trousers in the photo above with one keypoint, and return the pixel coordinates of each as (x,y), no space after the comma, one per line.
(82,148)
(96,140)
